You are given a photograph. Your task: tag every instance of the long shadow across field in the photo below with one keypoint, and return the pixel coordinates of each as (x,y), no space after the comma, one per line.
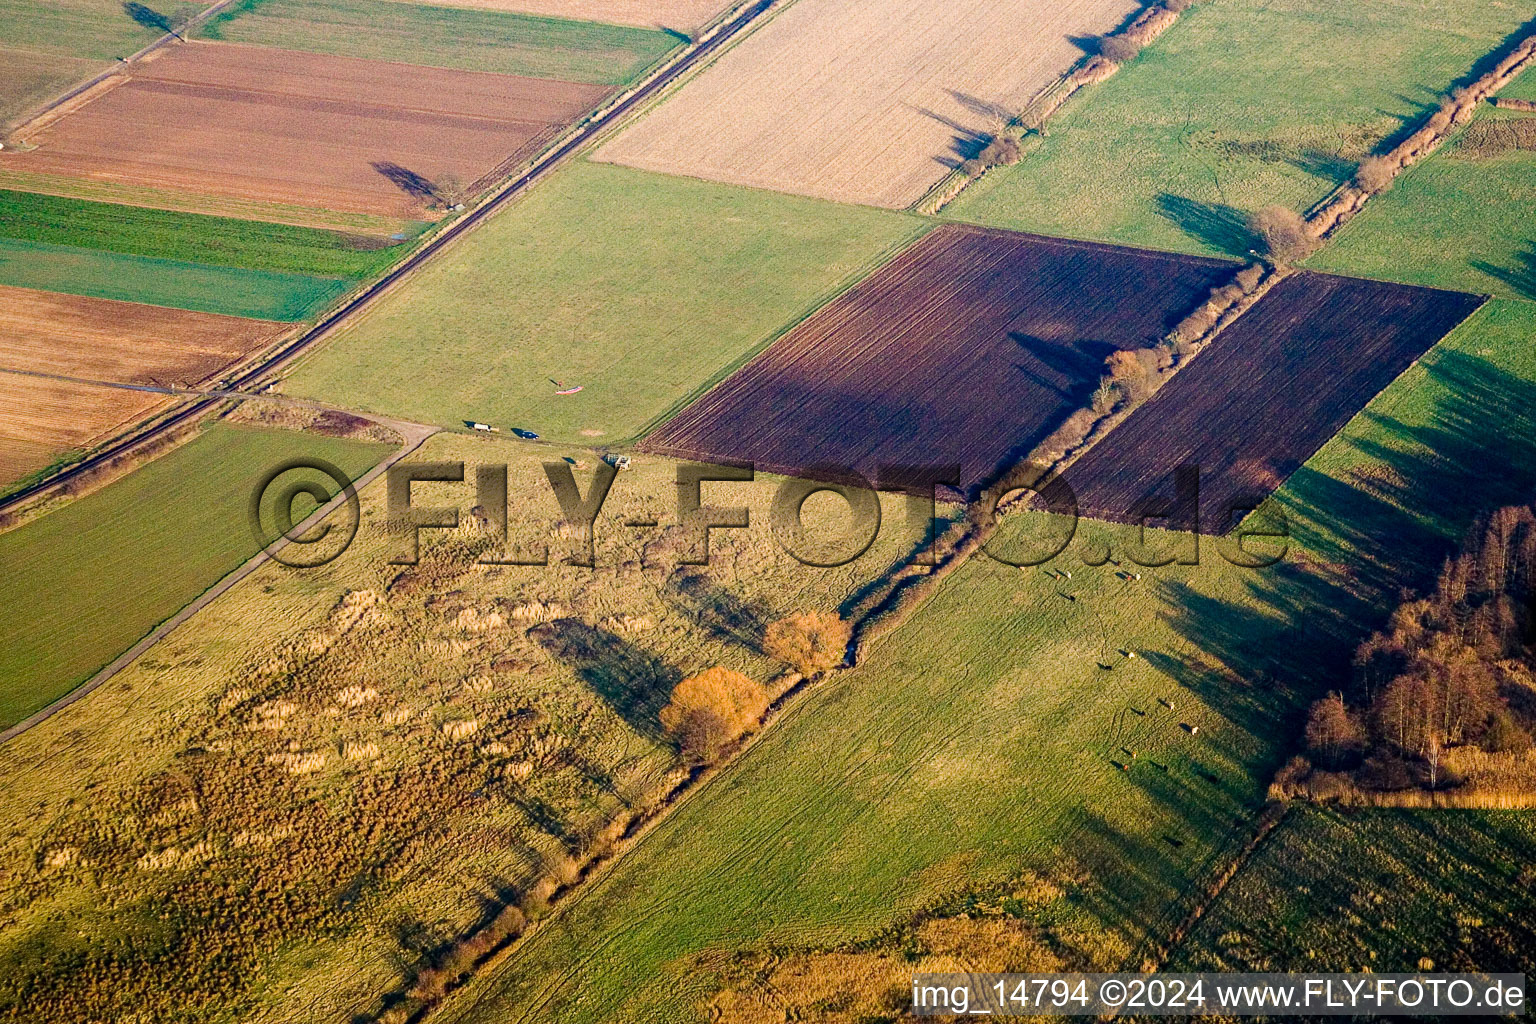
(634,682)
(1391,532)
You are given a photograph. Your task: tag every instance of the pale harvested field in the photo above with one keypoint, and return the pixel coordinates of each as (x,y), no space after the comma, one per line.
(43,332)
(255,123)
(869,103)
(674,14)
(41,419)
(18,458)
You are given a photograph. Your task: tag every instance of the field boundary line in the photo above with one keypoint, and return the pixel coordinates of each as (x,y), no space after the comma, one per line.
(413,435)
(271,366)
(848,283)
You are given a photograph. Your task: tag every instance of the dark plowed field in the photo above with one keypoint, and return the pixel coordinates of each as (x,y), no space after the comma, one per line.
(968,348)
(1269,392)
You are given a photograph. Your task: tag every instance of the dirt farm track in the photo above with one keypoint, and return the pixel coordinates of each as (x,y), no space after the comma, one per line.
(867,103)
(283,126)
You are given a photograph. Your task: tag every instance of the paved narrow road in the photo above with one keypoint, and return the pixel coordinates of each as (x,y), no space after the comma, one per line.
(415,434)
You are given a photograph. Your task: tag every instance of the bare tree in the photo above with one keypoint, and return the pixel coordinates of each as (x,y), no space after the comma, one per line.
(1284,234)
(809,642)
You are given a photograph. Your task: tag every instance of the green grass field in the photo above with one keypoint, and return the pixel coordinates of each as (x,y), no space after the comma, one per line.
(195,238)
(1243,103)
(261,294)
(1378,891)
(639,287)
(448,37)
(983,733)
(1453,221)
(84,582)
(96,29)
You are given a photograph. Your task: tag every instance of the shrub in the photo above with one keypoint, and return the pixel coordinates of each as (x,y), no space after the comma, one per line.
(1129,374)
(712,708)
(1375,173)
(1283,233)
(1504,735)
(808,642)
(1118,48)
(1178,6)
(973,167)
(1002,151)
(1104,397)
(1249,277)
(1333,732)
(1071,433)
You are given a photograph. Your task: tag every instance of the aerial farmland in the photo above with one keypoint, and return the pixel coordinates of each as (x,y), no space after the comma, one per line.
(868,109)
(682,511)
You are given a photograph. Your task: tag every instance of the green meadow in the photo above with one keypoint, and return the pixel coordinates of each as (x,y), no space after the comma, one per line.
(641,288)
(82,583)
(190,237)
(1243,103)
(260,294)
(1457,220)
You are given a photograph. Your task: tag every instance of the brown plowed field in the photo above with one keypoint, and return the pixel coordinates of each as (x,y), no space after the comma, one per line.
(674,14)
(121,341)
(870,102)
(968,348)
(99,339)
(1272,388)
(254,123)
(18,458)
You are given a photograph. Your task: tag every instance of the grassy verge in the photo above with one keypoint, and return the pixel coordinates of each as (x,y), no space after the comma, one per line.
(449,37)
(1001,752)
(84,582)
(639,287)
(1241,104)
(259,294)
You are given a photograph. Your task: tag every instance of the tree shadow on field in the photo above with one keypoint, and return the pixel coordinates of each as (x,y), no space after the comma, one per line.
(724,614)
(1076,367)
(1521,280)
(991,112)
(415,185)
(966,144)
(149,17)
(1214,224)
(634,682)
(1320,163)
